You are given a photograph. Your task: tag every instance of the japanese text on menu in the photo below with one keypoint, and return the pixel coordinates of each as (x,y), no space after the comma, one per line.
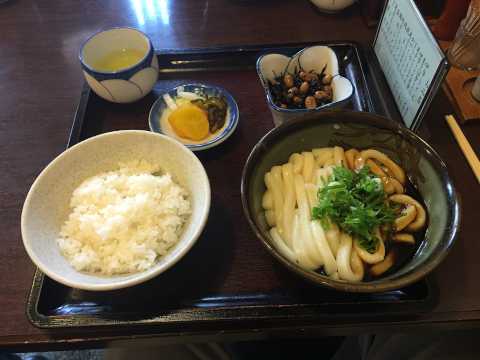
(408,56)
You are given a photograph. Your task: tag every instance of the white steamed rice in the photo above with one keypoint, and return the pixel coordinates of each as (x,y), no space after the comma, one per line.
(122,221)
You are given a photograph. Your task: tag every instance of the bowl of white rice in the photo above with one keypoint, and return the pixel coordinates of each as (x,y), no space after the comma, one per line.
(115,210)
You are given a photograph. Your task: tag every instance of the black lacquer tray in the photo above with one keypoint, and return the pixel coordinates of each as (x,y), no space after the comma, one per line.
(227,277)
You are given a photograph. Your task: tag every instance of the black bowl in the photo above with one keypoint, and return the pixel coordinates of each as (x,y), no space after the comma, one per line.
(424,167)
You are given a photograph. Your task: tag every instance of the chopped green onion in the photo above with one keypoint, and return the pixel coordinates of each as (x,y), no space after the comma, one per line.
(356,202)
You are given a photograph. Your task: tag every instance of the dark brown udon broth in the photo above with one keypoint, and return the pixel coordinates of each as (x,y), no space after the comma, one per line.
(404,252)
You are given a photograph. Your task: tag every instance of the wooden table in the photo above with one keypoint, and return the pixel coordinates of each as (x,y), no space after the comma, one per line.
(40,83)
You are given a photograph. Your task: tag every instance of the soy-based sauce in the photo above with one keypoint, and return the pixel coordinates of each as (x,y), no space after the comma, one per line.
(404,251)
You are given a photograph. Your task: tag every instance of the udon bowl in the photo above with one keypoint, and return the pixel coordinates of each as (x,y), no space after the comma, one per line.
(423,166)
(47,204)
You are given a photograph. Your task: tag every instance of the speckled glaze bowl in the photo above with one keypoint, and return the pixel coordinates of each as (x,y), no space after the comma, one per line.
(421,163)
(47,204)
(125,85)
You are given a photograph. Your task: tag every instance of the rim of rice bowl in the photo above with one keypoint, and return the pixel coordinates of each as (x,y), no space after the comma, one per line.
(175,253)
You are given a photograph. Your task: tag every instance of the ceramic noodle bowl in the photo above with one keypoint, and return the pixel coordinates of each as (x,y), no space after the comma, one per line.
(314,58)
(426,172)
(125,84)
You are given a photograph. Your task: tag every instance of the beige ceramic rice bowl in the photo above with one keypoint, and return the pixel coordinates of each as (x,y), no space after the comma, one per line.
(47,204)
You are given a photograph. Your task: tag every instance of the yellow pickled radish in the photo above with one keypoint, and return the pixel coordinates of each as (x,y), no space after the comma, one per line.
(190,122)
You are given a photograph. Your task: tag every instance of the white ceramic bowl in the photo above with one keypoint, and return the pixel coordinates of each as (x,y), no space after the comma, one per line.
(47,204)
(127,84)
(332,6)
(317,58)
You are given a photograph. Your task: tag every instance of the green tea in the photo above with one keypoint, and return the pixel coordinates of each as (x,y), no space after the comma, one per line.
(118,60)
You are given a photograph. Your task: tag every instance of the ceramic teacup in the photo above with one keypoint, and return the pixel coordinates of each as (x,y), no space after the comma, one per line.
(125,84)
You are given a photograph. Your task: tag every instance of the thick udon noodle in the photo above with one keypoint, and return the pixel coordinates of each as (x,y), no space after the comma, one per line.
(292,193)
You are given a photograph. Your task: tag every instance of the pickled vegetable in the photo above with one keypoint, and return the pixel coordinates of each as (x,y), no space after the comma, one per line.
(216,108)
(190,122)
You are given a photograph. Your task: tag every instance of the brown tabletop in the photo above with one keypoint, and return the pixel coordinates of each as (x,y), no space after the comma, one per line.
(40,83)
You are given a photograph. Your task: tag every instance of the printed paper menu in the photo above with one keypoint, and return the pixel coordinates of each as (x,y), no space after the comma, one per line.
(410,58)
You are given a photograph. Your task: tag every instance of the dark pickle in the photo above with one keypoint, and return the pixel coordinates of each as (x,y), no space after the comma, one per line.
(216,109)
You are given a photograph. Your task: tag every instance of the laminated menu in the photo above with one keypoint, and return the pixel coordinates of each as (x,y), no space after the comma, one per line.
(411,59)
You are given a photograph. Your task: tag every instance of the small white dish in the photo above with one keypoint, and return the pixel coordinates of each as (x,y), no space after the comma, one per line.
(314,58)
(47,204)
(332,6)
(158,117)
